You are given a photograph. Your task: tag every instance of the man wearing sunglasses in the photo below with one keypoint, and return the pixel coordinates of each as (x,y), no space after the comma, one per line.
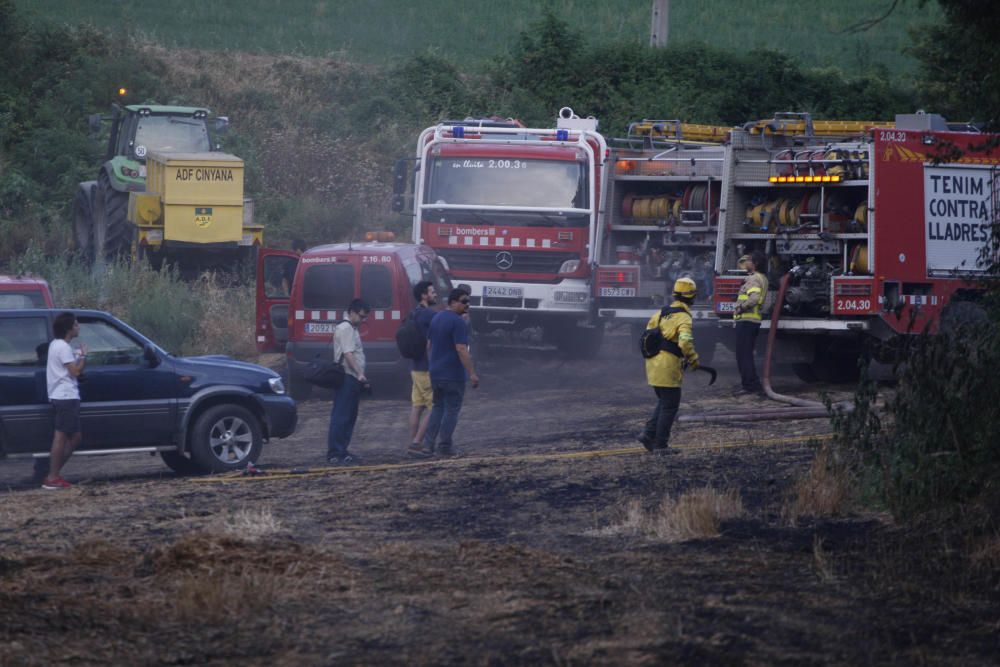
(450,365)
(348,350)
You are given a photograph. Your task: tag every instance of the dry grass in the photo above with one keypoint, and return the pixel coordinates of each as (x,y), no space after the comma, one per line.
(696,514)
(822,491)
(251,524)
(985,554)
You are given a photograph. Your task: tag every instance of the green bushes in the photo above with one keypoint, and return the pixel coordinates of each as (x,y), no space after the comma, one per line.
(936,446)
(199,317)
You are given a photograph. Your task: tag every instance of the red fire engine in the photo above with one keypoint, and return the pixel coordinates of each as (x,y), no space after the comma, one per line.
(870,230)
(514,211)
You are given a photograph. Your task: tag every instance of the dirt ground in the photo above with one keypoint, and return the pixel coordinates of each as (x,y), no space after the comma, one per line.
(518,551)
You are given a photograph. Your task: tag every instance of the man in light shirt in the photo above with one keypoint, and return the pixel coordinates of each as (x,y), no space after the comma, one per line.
(64,367)
(347,349)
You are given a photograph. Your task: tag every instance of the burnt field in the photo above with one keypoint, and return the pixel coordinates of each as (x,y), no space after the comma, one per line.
(548,540)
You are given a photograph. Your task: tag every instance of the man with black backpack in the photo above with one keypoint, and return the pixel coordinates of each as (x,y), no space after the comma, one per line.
(668,345)
(412,342)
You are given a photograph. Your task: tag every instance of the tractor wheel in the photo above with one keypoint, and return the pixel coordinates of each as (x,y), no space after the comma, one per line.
(112,231)
(83,220)
(153,256)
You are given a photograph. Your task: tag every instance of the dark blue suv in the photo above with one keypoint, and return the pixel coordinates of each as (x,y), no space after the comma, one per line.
(202,414)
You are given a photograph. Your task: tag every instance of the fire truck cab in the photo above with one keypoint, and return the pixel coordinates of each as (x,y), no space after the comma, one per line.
(513,211)
(301,298)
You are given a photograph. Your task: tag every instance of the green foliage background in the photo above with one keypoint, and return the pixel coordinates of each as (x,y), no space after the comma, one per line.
(320,134)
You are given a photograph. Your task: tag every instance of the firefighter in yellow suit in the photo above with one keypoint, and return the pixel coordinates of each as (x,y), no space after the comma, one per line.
(746,315)
(665,371)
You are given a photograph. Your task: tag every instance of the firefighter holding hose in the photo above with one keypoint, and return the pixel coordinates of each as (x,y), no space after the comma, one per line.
(668,346)
(746,315)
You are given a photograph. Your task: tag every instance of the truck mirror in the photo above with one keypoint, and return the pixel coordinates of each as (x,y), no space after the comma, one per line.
(400,178)
(398,203)
(94,123)
(221,124)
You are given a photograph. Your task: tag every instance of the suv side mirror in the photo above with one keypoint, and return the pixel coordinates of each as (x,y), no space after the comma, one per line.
(94,123)
(149,354)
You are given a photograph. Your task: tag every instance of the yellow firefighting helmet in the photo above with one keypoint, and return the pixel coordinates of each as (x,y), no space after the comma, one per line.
(685,287)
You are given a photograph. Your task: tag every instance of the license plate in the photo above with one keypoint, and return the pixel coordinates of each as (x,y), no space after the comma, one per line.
(503,292)
(319,327)
(617,291)
(725,307)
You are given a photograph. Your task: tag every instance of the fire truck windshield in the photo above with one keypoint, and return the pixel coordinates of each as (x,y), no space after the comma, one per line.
(515,183)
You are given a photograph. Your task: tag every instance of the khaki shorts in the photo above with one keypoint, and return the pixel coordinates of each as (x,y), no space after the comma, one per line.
(421,394)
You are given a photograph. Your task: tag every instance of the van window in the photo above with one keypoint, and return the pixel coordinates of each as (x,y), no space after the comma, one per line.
(24,341)
(328,286)
(413,272)
(376,285)
(435,273)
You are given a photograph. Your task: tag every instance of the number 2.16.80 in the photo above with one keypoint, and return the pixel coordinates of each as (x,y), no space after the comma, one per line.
(507,164)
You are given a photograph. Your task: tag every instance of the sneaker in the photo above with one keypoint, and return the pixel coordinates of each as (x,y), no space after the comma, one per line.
(646,441)
(743,391)
(351,460)
(663,451)
(445,451)
(56,484)
(417,451)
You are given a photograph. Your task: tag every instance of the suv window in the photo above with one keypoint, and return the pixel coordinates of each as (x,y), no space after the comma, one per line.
(24,341)
(107,345)
(376,285)
(328,286)
(22,299)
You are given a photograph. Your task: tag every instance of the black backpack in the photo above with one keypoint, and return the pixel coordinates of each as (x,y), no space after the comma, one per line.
(410,340)
(651,342)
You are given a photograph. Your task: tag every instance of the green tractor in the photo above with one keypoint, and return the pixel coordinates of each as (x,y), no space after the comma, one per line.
(121,214)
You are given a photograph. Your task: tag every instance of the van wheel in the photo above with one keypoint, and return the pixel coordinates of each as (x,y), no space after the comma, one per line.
(181,463)
(226,438)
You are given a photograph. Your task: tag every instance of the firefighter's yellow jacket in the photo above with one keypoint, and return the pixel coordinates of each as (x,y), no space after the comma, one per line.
(750,300)
(665,369)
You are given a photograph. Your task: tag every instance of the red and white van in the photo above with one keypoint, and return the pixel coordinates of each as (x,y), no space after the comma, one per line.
(24,292)
(301,298)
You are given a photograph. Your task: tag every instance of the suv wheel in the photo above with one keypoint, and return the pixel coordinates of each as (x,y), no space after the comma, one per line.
(181,463)
(225,438)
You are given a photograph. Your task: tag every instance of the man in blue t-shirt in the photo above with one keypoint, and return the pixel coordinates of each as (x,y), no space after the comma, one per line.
(450,363)
(421,397)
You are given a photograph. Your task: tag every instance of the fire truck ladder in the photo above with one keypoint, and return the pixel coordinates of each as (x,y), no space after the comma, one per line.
(650,131)
(789,123)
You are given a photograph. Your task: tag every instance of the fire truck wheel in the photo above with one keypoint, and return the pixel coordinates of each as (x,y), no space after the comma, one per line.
(958,314)
(582,342)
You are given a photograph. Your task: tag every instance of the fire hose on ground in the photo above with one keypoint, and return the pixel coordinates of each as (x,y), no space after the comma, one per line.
(800,408)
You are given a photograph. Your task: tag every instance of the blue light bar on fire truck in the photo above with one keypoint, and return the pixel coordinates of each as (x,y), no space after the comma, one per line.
(804,179)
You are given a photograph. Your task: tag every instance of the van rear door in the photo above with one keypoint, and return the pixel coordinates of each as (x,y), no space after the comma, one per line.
(275,275)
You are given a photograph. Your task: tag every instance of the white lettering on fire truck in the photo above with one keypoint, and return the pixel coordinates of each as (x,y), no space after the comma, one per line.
(476,231)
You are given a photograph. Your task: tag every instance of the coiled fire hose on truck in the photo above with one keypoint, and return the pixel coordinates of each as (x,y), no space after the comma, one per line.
(801,408)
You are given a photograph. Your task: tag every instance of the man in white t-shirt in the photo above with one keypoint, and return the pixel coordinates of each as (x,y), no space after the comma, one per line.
(64,367)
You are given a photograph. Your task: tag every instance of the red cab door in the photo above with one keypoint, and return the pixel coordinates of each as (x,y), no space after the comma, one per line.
(275,280)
